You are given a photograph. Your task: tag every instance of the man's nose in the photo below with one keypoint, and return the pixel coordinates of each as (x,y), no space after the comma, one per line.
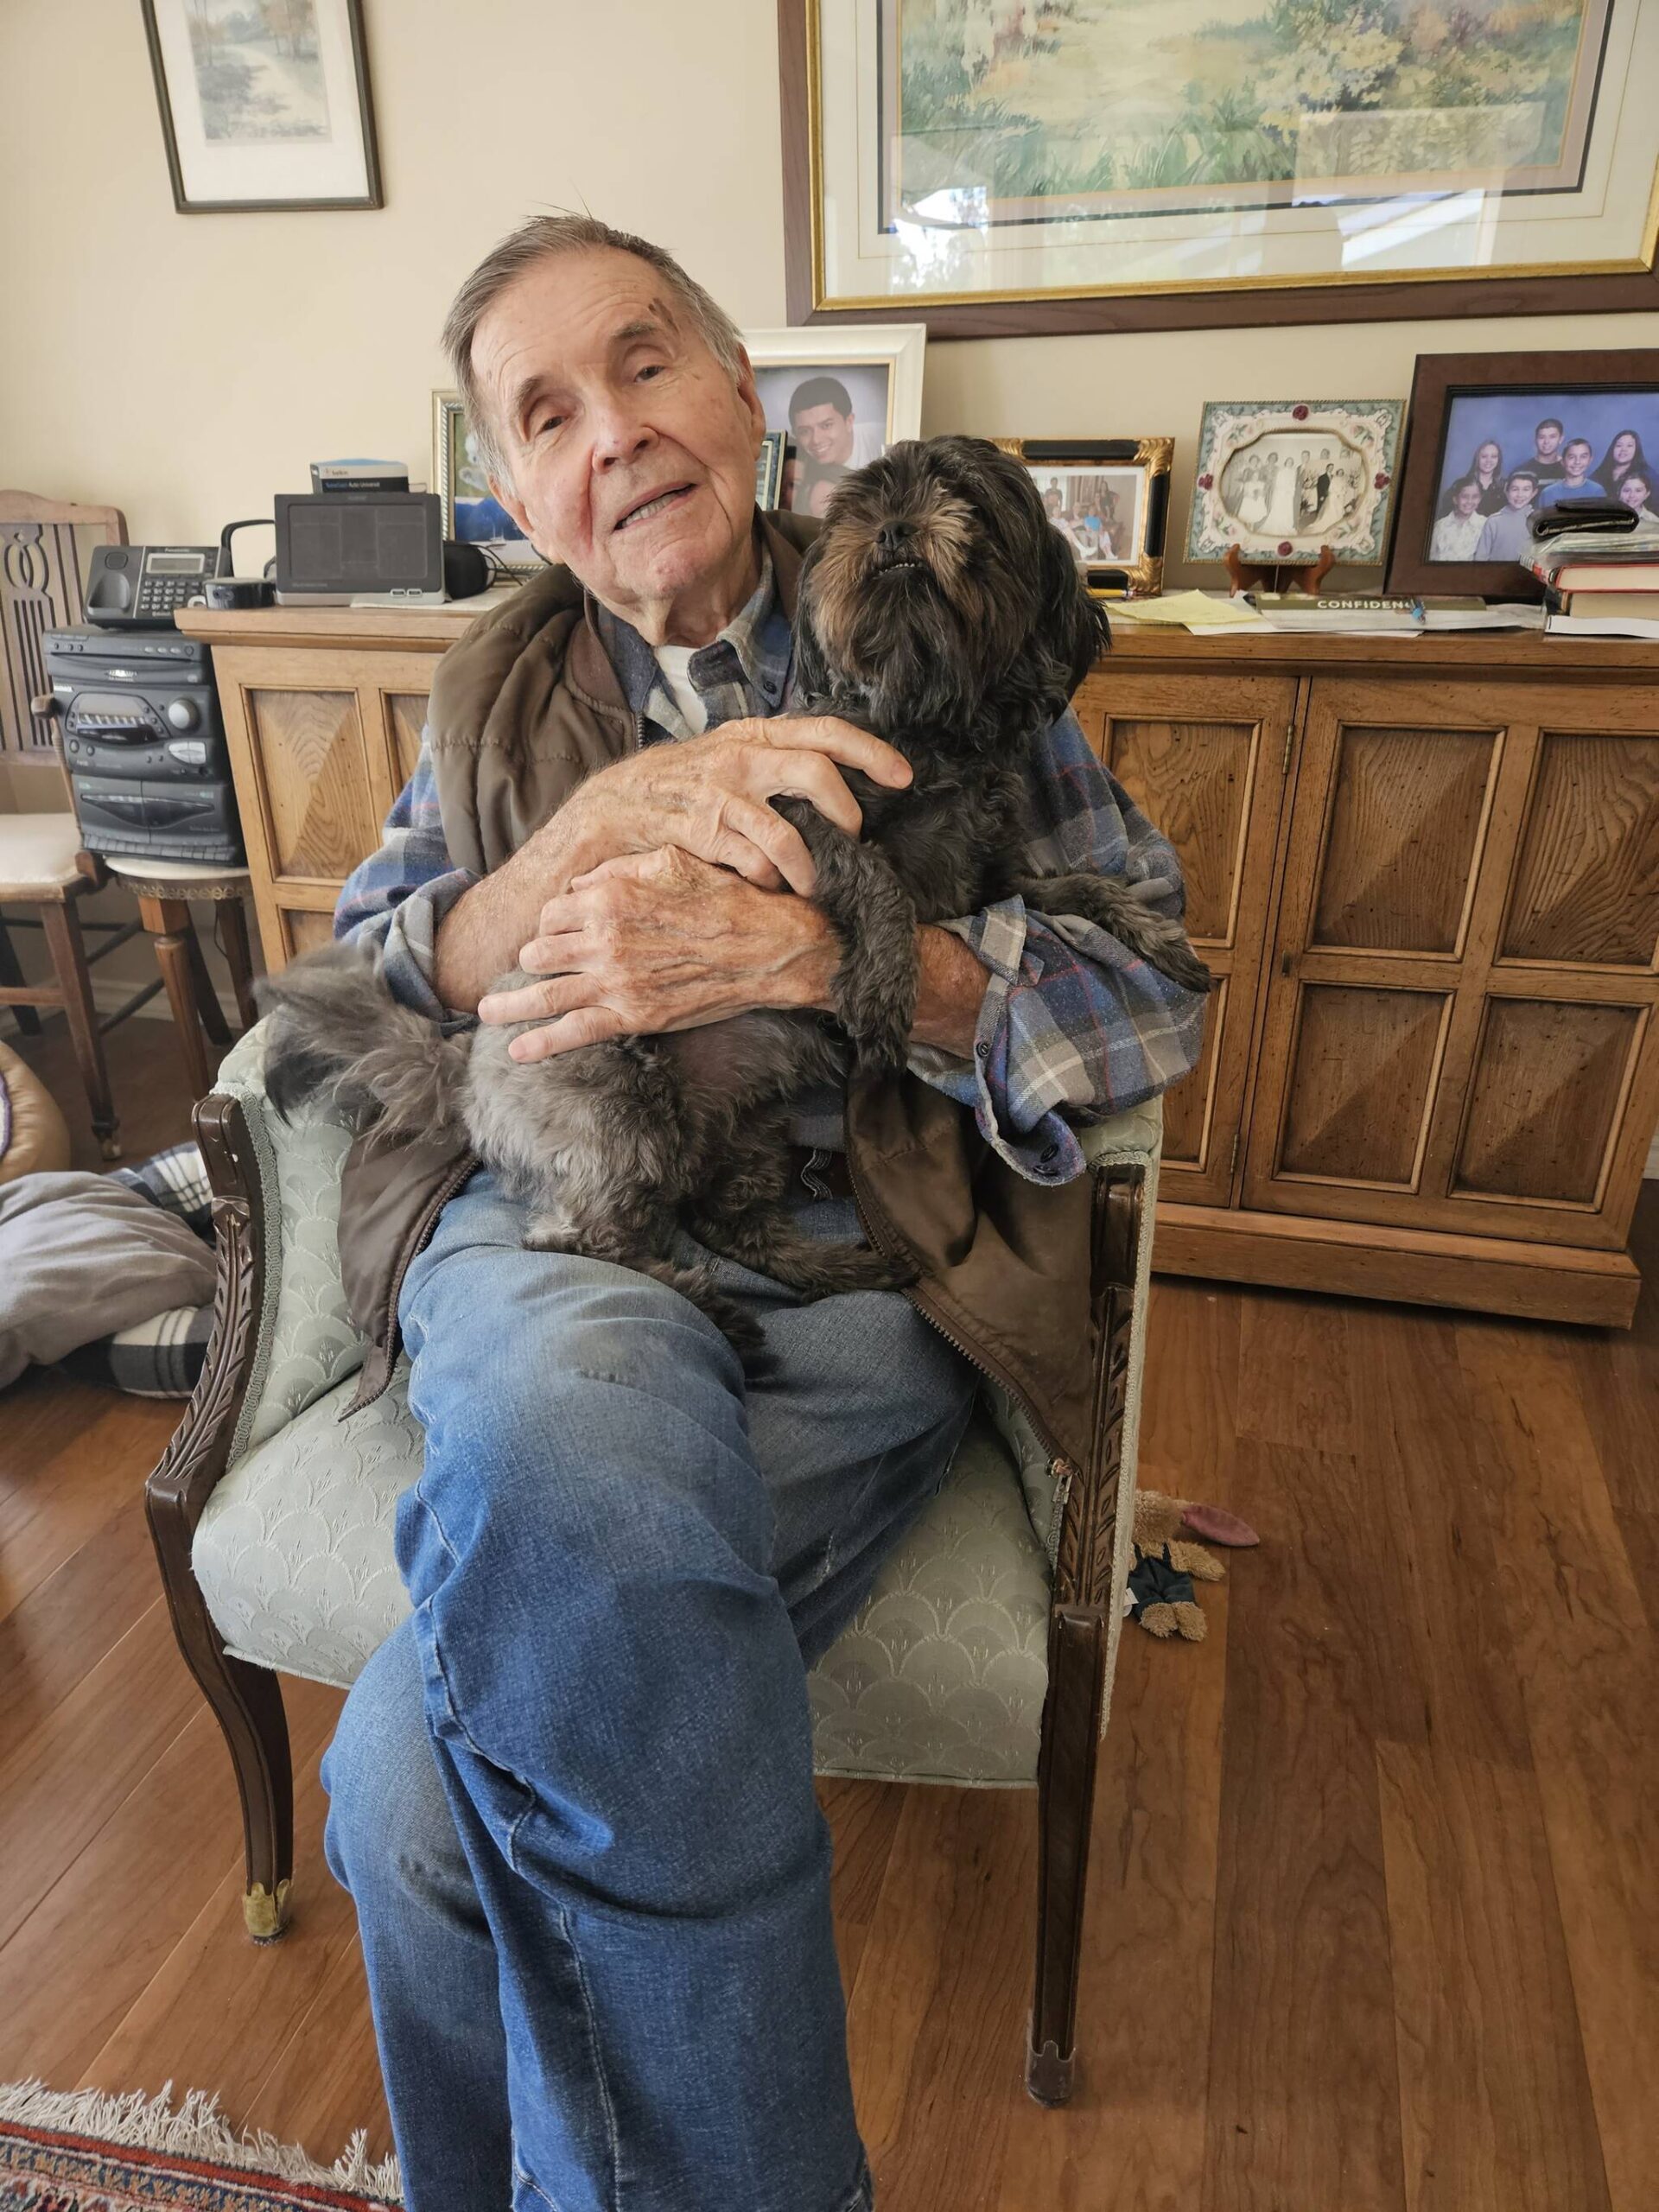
(619,437)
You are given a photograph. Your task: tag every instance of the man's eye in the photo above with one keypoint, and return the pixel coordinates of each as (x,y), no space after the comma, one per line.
(651,369)
(550,422)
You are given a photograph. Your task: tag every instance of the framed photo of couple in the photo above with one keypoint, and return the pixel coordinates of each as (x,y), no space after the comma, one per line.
(1496,438)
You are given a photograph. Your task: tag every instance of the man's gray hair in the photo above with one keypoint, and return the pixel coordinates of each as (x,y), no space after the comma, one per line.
(542,239)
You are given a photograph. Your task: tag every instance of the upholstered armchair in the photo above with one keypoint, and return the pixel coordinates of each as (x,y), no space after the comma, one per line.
(983,1656)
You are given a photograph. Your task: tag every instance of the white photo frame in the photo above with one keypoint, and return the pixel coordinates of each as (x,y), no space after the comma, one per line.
(875,366)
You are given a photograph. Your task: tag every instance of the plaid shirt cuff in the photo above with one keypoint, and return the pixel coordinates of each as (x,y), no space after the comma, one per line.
(406,935)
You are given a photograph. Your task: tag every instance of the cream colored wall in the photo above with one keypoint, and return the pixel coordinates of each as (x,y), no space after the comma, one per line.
(186,367)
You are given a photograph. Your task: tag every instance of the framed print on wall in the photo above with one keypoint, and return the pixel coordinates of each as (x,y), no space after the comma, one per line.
(264,103)
(1283,479)
(840,398)
(994,167)
(471,513)
(1108,498)
(1494,437)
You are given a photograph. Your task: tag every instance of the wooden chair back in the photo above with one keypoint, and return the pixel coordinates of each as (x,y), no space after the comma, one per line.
(43,546)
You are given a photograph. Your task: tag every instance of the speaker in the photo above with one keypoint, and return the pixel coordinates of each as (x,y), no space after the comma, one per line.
(466,571)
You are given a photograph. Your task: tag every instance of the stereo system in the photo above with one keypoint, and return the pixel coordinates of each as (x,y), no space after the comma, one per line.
(139,724)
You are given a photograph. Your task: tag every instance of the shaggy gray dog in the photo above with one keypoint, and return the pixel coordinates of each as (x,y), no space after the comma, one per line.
(938,609)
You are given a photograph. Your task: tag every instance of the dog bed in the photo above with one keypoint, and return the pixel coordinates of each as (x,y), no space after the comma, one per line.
(33,1134)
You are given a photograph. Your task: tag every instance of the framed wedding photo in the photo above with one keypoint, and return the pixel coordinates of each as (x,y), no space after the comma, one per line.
(840,398)
(1108,498)
(264,103)
(1493,438)
(471,513)
(997,169)
(1283,479)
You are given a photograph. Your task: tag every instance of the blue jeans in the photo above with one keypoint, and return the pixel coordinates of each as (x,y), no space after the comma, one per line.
(572,1795)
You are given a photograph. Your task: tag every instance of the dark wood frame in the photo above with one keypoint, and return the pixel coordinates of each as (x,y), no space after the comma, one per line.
(1143,577)
(376,196)
(1439,298)
(1437,380)
(247,1700)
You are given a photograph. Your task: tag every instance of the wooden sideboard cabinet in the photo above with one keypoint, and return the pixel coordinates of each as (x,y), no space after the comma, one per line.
(1425,871)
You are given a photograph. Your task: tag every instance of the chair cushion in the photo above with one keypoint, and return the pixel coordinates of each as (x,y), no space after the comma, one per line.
(37,854)
(940,1676)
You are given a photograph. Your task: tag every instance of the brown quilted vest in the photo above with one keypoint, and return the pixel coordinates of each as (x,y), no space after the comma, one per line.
(524,707)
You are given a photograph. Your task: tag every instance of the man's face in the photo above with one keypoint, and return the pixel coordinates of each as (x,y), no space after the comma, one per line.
(1547,439)
(1576,460)
(1468,497)
(632,450)
(1521,493)
(824,433)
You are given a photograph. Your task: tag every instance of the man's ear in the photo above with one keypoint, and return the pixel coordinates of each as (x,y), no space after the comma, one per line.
(749,394)
(509,499)
(1073,622)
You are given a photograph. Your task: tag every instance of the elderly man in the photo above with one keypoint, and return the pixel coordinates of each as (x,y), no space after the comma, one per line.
(572,1796)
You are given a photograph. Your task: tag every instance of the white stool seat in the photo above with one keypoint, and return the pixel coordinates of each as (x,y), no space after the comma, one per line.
(177,878)
(37,854)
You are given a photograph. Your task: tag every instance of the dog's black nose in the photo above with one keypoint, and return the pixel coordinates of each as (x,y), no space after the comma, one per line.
(892,536)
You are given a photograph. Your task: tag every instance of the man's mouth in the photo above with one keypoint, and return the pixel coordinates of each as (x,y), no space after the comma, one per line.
(658,503)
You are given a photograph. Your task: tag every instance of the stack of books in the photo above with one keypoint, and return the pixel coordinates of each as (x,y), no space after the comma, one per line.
(1600,587)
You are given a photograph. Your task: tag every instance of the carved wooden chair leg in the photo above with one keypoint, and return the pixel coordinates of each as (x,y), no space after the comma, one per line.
(247,1703)
(69,959)
(1066,1799)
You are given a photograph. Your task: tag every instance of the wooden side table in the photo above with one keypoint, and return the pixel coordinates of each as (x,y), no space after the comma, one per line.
(163,890)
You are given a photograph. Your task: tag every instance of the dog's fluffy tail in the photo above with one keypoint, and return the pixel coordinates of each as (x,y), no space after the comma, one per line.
(337,1033)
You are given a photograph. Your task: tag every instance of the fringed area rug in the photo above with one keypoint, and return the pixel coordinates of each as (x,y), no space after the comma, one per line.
(81,2151)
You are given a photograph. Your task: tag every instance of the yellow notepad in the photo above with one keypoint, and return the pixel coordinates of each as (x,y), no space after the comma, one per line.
(1189,610)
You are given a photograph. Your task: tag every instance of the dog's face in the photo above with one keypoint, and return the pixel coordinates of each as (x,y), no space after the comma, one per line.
(937,580)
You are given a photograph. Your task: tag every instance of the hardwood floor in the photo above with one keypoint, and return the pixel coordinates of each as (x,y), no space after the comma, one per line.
(1371,1923)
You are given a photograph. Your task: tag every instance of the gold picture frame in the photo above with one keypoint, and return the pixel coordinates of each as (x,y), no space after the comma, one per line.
(453,480)
(1134,569)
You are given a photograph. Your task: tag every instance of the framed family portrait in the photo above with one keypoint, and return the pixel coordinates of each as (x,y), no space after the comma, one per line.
(1108,498)
(264,103)
(471,513)
(1494,438)
(992,166)
(1281,479)
(839,399)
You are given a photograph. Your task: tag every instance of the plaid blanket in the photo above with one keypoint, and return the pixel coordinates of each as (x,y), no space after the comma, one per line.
(161,1357)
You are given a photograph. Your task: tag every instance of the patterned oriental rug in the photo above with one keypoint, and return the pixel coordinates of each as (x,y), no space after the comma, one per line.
(81,2151)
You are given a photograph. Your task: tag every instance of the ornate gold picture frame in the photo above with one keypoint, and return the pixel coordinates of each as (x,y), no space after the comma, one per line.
(1109,498)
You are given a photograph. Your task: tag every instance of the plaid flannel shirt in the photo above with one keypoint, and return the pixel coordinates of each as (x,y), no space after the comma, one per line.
(1073,1026)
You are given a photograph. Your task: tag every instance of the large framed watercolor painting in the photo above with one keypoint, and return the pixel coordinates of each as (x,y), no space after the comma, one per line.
(995,166)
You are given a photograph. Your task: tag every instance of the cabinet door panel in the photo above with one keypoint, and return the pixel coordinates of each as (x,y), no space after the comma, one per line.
(1425,1061)
(1407,818)
(1588,886)
(314,779)
(1203,756)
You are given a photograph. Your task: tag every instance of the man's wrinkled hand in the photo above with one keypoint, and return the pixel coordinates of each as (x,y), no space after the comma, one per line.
(658,941)
(708,795)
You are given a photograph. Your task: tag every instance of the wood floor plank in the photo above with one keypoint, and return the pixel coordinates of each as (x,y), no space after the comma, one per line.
(1304,2104)
(1495,2100)
(951,1941)
(71,1621)
(92,1751)
(1133,2135)
(46,1516)
(863,1817)
(1295,1380)
(1495,2109)
(1586,1665)
(219,2008)
(1189,1398)
(326,2084)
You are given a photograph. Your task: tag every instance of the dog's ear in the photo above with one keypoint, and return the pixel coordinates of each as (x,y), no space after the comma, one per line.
(1072,623)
